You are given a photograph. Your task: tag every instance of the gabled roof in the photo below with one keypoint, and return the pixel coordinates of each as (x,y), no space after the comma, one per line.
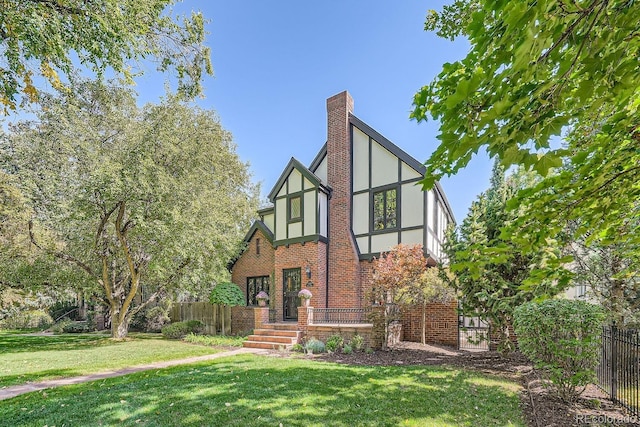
(318,159)
(294,164)
(257,225)
(395,150)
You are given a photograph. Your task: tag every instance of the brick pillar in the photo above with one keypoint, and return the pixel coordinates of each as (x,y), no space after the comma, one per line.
(260,316)
(343,267)
(303,318)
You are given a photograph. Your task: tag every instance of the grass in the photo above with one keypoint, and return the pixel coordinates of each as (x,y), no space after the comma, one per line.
(250,390)
(215,341)
(36,358)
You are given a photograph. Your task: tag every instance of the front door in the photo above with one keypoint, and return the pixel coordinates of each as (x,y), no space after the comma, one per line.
(291,286)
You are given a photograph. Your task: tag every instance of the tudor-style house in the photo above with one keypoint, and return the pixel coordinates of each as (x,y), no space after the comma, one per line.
(358,198)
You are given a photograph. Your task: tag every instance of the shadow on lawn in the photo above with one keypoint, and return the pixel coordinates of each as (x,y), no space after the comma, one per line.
(63,342)
(248,390)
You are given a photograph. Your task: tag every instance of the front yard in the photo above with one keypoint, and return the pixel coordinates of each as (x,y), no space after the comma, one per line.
(42,357)
(253,390)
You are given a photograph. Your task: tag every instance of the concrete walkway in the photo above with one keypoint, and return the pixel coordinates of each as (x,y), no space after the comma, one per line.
(13,391)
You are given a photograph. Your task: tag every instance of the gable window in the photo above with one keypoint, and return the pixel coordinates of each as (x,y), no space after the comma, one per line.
(295,208)
(257,246)
(254,286)
(384,209)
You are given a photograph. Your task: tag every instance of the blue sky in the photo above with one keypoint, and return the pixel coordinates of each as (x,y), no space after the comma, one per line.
(276,63)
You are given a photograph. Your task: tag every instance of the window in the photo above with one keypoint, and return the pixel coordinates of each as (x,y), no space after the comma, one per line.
(257,246)
(384,209)
(255,285)
(295,208)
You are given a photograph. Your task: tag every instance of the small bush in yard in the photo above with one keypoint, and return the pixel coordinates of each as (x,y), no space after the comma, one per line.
(178,330)
(78,327)
(314,346)
(357,342)
(195,326)
(562,339)
(298,348)
(334,343)
(346,349)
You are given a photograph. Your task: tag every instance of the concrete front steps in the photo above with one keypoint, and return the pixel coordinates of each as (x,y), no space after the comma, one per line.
(274,336)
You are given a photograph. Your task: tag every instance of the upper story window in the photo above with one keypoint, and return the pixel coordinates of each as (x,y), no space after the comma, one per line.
(295,208)
(257,246)
(385,212)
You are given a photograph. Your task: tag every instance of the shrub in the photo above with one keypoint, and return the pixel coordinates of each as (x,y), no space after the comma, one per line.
(155,318)
(334,343)
(195,326)
(562,339)
(179,330)
(77,327)
(214,341)
(357,341)
(298,348)
(314,346)
(29,319)
(175,331)
(346,349)
(58,328)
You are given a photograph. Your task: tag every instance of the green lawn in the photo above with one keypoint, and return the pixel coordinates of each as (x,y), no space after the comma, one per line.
(36,358)
(270,391)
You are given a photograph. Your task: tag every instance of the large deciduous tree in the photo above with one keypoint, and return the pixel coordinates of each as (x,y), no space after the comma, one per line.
(537,69)
(152,197)
(49,37)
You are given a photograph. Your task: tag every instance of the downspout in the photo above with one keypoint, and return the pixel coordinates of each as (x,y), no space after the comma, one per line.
(326,274)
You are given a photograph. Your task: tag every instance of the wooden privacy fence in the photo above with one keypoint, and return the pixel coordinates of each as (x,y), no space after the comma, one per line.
(211,315)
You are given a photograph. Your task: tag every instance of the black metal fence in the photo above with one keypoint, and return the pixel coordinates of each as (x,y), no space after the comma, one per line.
(339,315)
(619,368)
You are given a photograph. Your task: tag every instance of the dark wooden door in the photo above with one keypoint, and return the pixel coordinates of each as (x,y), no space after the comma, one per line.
(291,286)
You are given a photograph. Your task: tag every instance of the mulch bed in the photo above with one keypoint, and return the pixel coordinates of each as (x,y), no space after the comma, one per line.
(540,407)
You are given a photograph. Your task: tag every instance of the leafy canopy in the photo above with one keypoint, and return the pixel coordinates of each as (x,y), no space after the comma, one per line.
(153,196)
(227,293)
(49,37)
(536,69)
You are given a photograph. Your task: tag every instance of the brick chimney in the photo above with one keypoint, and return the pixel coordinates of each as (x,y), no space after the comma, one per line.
(343,266)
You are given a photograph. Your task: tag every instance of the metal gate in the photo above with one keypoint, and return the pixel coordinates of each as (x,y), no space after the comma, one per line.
(473,332)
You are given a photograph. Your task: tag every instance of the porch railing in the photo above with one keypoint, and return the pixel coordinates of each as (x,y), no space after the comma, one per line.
(338,315)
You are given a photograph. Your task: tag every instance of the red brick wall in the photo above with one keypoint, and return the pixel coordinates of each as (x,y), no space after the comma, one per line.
(344,275)
(242,320)
(251,264)
(301,255)
(442,324)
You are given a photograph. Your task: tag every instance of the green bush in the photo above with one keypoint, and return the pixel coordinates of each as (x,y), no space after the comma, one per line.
(314,346)
(179,330)
(29,319)
(195,326)
(215,341)
(77,327)
(562,339)
(346,349)
(58,328)
(298,348)
(357,342)
(334,343)
(175,331)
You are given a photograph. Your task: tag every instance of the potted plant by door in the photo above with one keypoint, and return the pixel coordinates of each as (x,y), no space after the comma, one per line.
(262,298)
(306,295)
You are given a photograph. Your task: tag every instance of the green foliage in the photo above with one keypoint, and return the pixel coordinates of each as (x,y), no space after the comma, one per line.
(127,196)
(227,293)
(42,38)
(334,343)
(347,349)
(536,70)
(298,348)
(357,341)
(179,330)
(314,346)
(562,338)
(28,319)
(491,272)
(214,341)
(78,327)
